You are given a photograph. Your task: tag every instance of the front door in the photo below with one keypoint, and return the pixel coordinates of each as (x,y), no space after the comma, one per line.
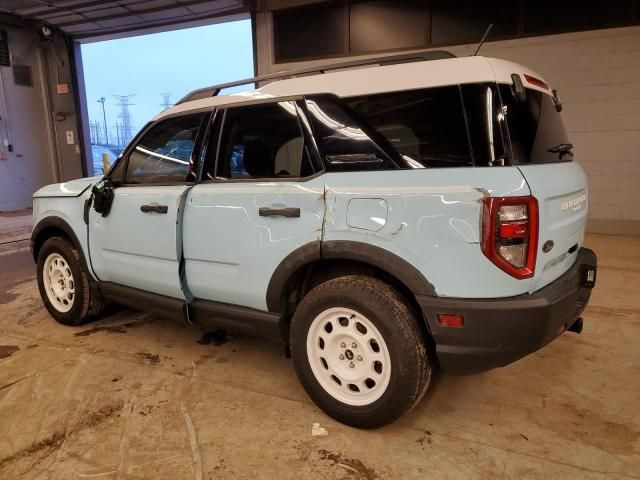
(264,200)
(138,244)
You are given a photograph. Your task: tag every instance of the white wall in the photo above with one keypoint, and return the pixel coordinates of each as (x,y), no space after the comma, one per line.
(597,74)
(28,167)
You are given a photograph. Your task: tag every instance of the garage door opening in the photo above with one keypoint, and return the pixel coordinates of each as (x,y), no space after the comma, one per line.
(128,81)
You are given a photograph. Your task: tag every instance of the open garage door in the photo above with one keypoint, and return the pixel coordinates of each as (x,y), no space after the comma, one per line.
(137,57)
(130,80)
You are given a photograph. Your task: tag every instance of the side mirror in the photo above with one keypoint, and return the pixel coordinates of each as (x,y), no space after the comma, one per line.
(102,194)
(518,88)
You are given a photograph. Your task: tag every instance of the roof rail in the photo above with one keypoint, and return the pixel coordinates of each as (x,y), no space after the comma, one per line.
(381,60)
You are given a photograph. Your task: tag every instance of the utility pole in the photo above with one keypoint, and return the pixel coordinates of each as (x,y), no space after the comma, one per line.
(104,117)
(94,133)
(166,103)
(125,129)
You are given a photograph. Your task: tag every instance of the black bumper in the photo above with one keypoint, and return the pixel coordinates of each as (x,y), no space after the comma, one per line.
(499,331)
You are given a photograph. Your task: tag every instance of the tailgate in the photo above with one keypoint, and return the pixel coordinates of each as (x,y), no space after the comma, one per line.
(561,190)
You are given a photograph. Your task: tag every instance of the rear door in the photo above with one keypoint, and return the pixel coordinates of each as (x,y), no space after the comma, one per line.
(542,151)
(262,200)
(138,244)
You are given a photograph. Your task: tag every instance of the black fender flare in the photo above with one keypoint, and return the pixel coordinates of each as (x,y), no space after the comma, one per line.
(56,223)
(365,253)
(304,255)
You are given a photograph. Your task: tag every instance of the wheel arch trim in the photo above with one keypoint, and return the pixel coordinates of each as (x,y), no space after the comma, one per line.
(52,223)
(377,257)
(292,263)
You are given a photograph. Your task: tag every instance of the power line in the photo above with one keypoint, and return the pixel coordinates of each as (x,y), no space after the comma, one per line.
(166,103)
(125,128)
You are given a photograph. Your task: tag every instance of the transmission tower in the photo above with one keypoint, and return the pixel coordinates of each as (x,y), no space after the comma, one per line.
(125,128)
(166,103)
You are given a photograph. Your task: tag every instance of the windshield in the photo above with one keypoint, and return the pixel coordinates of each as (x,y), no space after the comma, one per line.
(535,128)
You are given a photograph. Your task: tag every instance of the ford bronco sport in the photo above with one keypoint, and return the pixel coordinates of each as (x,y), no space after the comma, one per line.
(379,221)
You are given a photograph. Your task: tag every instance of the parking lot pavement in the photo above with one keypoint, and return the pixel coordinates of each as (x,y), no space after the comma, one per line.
(132,397)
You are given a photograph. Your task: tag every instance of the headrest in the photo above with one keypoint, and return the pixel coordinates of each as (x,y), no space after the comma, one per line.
(258,161)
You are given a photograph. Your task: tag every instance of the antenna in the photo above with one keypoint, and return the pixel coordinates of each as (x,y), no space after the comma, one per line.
(484,37)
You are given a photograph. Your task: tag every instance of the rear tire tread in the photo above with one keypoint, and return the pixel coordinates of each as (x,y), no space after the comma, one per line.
(365,290)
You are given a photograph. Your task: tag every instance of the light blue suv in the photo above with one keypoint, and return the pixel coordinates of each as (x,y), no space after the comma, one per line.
(379,221)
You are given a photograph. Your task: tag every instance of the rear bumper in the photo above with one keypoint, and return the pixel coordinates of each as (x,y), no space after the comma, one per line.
(499,331)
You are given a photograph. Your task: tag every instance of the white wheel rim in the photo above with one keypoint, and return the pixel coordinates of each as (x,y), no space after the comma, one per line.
(58,282)
(348,356)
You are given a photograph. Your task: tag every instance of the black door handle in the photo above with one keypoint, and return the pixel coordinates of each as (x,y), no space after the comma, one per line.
(154,208)
(279,212)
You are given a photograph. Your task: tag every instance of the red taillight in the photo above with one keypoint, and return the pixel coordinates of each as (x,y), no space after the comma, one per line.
(536,81)
(510,234)
(514,229)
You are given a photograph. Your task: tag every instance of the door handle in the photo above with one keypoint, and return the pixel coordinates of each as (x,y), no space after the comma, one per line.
(154,208)
(279,212)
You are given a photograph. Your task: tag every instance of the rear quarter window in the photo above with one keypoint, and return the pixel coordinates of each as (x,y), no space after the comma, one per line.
(426,127)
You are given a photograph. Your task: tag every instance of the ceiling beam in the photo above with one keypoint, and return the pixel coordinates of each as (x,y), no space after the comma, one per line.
(62,25)
(46,10)
(110,33)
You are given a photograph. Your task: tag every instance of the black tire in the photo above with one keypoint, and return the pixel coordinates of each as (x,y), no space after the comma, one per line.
(393,317)
(87,301)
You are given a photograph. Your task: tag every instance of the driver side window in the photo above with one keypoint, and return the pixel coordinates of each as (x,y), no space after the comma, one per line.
(164,154)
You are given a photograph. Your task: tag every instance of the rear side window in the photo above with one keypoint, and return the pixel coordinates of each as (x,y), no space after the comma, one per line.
(536,130)
(164,153)
(426,127)
(263,141)
(345,143)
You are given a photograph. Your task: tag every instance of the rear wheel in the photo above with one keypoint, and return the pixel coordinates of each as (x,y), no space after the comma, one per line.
(359,351)
(65,286)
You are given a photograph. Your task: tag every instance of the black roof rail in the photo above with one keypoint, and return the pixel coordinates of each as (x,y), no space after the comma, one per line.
(381,60)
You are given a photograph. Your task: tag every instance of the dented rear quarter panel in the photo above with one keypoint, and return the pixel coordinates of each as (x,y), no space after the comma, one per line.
(433,222)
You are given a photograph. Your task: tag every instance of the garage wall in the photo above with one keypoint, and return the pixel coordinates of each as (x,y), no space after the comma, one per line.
(28,167)
(35,119)
(597,74)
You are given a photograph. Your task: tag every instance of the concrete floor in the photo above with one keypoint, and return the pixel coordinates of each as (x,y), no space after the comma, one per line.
(134,397)
(15,226)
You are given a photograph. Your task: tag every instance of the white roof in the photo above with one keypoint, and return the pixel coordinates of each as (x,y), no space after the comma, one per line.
(376,79)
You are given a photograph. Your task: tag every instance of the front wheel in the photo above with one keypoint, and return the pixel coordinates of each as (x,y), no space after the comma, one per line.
(64,283)
(359,351)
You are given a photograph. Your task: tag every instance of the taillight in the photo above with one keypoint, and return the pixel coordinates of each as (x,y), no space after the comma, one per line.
(510,233)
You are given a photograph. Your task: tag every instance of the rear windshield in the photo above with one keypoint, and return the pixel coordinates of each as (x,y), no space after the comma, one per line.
(535,128)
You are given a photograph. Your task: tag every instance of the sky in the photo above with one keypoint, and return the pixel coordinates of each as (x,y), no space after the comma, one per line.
(173,62)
